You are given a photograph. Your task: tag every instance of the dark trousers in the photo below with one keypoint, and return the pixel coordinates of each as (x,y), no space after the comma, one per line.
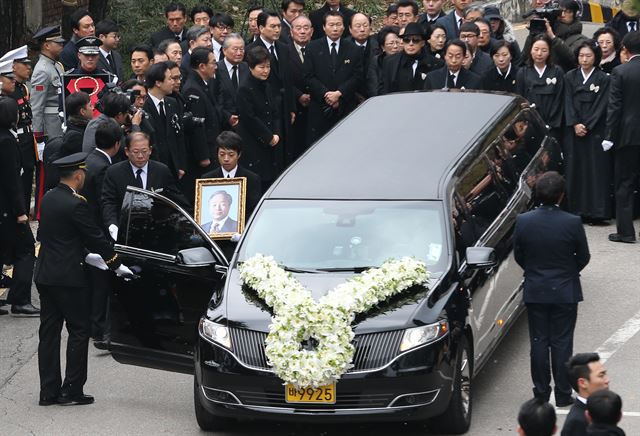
(23,259)
(57,305)
(551,329)
(100,291)
(28,162)
(626,163)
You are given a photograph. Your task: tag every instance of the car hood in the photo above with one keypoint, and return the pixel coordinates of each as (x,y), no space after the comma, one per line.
(244,309)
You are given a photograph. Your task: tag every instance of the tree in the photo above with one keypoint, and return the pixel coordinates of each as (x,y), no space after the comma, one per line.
(12,32)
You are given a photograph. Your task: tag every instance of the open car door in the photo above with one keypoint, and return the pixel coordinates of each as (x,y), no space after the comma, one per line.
(154,317)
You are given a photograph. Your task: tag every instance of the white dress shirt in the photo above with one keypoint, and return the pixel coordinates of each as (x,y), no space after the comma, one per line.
(156,102)
(108,157)
(330,41)
(143,174)
(268,45)
(228,174)
(217,48)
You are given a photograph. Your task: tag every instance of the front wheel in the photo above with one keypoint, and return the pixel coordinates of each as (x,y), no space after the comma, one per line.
(457,418)
(206,420)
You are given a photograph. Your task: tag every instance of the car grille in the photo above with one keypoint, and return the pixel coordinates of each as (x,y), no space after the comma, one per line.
(344,400)
(373,350)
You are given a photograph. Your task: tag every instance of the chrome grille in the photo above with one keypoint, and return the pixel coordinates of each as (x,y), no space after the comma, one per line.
(344,400)
(373,350)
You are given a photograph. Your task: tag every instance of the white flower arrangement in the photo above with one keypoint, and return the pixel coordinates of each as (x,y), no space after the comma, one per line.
(299,318)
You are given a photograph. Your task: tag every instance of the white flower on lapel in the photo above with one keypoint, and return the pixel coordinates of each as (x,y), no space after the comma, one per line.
(424,75)
(462,88)
(594,88)
(551,81)
(347,61)
(438,56)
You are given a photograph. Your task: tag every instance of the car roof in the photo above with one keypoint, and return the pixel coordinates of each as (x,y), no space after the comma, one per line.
(365,157)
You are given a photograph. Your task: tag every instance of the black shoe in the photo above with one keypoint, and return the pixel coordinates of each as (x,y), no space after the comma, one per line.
(25,310)
(76,400)
(48,401)
(615,237)
(564,402)
(102,344)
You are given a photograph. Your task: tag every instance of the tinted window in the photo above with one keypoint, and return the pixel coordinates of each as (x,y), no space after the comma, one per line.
(347,234)
(157,226)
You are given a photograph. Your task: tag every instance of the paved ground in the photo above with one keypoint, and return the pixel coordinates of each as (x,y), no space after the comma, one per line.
(138,401)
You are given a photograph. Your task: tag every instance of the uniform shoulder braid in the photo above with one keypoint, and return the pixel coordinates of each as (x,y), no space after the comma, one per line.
(81,197)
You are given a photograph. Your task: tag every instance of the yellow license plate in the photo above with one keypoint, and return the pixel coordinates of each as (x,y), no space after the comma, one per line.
(323,394)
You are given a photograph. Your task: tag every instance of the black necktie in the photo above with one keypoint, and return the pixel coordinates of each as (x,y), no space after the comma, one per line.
(452,80)
(632,26)
(139,178)
(163,115)
(334,55)
(274,58)
(178,37)
(110,60)
(234,77)
(302,51)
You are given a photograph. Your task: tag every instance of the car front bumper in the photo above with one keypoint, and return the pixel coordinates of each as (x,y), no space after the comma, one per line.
(415,386)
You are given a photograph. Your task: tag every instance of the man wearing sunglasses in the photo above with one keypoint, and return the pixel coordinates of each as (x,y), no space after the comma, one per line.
(407,70)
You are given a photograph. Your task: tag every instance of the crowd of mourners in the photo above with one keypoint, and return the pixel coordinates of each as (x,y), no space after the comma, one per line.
(205,101)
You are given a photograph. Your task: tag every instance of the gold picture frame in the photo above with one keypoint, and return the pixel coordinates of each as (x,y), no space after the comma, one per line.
(214,190)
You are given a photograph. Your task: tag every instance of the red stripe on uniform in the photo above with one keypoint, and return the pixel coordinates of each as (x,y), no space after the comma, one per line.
(39,88)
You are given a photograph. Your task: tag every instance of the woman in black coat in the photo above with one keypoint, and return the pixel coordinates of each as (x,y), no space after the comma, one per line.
(588,166)
(390,43)
(608,40)
(542,83)
(503,76)
(260,121)
(16,239)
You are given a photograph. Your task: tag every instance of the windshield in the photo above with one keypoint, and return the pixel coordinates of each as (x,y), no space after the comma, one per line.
(349,235)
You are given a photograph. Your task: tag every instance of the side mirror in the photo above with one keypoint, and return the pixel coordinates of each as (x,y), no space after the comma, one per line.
(198,256)
(481,257)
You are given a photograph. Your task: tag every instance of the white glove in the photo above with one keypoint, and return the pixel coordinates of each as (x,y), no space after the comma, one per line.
(96,260)
(40,147)
(124,271)
(113,231)
(606,145)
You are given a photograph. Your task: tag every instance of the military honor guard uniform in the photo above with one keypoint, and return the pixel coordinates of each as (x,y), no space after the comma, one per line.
(46,99)
(28,151)
(67,232)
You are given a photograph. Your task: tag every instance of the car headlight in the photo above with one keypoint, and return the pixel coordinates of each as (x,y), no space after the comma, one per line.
(423,335)
(215,332)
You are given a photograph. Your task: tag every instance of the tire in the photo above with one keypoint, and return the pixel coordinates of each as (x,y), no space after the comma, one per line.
(457,418)
(206,420)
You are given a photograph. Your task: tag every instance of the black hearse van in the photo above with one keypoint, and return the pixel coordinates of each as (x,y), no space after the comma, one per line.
(437,175)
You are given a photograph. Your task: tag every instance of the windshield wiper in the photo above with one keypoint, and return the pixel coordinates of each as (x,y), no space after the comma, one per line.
(356,269)
(300,270)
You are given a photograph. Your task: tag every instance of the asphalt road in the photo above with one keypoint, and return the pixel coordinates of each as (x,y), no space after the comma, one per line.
(139,401)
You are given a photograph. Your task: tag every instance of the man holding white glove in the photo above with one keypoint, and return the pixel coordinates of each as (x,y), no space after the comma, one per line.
(67,230)
(623,130)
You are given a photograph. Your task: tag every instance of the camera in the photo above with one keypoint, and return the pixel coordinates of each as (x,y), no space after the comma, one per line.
(551,11)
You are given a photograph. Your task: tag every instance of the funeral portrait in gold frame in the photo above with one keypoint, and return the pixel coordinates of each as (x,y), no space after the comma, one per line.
(220,206)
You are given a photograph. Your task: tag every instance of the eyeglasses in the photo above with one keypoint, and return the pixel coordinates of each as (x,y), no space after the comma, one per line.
(394,42)
(139,152)
(464,36)
(176,78)
(298,28)
(222,27)
(412,40)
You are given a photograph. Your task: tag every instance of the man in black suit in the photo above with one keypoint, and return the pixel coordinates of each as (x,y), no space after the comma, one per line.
(280,79)
(407,70)
(110,59)
(107,142)
(291,9)
(167,136)
(604,411)
(220,25)
(536,417)
(137,171)
(625,21)
(301,32)
(200,101)
(360,30)
(334,71)
(82,26)
(469,33)
(407,12)
(587,375)
(67,229)
(252,20)
(197,36)
(432,11)
(176,17)
(317,17)
(232,71)
(551,246)
(453,74)
(454,19)
(623,134)
(229,153)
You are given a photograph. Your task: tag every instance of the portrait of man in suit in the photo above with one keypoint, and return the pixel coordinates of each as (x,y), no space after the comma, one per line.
(219,206)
